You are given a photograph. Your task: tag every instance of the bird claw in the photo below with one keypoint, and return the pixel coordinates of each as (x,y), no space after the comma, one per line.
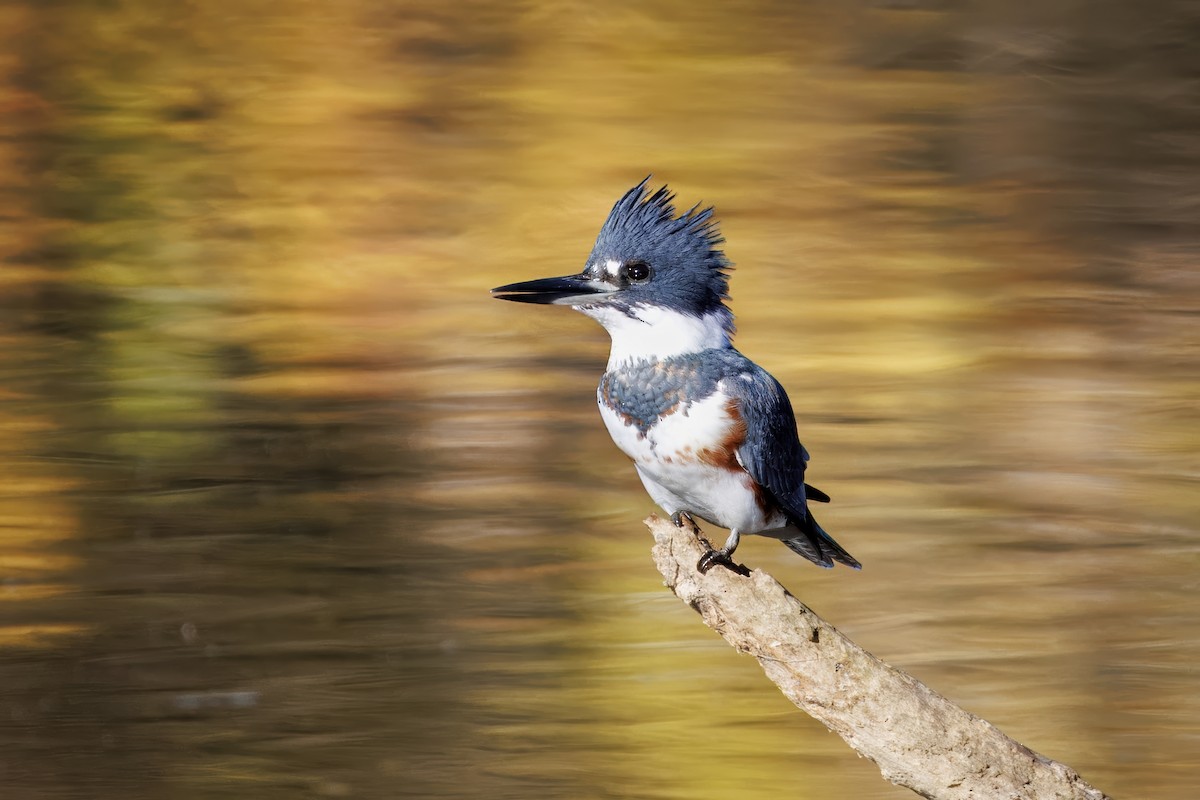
(713,556)
(680,516)
(719,557)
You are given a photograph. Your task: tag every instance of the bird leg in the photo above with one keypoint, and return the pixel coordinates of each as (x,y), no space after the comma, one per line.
(723,557)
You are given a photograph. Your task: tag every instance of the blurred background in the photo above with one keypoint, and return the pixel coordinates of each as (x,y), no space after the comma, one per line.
(292,508)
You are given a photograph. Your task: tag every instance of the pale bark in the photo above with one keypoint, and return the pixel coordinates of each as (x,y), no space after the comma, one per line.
(916,737)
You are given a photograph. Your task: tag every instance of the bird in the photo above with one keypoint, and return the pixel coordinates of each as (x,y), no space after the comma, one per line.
(711,434)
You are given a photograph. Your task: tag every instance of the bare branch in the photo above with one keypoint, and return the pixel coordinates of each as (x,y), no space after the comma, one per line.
(916,737)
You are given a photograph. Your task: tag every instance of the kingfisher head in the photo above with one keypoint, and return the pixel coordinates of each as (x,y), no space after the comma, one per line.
(652,275)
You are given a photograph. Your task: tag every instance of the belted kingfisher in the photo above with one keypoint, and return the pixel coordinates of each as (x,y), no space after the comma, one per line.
(711,433)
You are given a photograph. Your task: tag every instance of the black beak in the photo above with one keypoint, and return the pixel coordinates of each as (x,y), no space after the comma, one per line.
(570,290)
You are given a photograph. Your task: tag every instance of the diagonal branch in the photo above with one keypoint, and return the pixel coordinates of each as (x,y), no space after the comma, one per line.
(916,737)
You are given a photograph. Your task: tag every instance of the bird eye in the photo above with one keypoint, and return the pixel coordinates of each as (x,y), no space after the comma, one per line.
(637,271)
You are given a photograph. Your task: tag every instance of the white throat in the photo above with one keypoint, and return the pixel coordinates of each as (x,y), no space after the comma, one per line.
(654,333)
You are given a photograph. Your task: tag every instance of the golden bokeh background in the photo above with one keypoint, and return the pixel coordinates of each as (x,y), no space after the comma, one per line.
(293,508)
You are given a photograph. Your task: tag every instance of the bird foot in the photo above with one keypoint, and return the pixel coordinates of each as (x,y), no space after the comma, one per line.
(679,517)
(719,557)
(712,557)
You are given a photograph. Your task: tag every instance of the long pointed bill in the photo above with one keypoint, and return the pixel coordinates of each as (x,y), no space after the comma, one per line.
(571,290)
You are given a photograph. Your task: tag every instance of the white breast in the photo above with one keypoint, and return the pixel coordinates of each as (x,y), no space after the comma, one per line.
(693,427)
(686,464)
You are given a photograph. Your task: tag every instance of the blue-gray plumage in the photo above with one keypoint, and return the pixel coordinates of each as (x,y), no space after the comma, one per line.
(711,433)
(646,391)
(689,270)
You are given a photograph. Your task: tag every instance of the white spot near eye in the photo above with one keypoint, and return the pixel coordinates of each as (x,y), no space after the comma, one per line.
(612,266)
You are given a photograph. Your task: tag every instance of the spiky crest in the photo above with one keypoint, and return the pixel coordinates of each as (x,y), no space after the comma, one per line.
(685,249)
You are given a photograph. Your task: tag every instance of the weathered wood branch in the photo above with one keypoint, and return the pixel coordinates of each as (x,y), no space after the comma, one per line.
(916,737)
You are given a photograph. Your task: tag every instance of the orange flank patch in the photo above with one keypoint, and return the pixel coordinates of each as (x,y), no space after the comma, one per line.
(724,453)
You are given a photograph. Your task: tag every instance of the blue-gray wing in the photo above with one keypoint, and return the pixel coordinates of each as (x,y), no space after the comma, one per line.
(771,451)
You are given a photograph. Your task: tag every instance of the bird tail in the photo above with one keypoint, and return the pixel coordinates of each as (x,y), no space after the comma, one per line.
(818,546)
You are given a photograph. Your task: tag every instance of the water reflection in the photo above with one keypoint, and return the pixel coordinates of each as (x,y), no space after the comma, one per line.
(291,505)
